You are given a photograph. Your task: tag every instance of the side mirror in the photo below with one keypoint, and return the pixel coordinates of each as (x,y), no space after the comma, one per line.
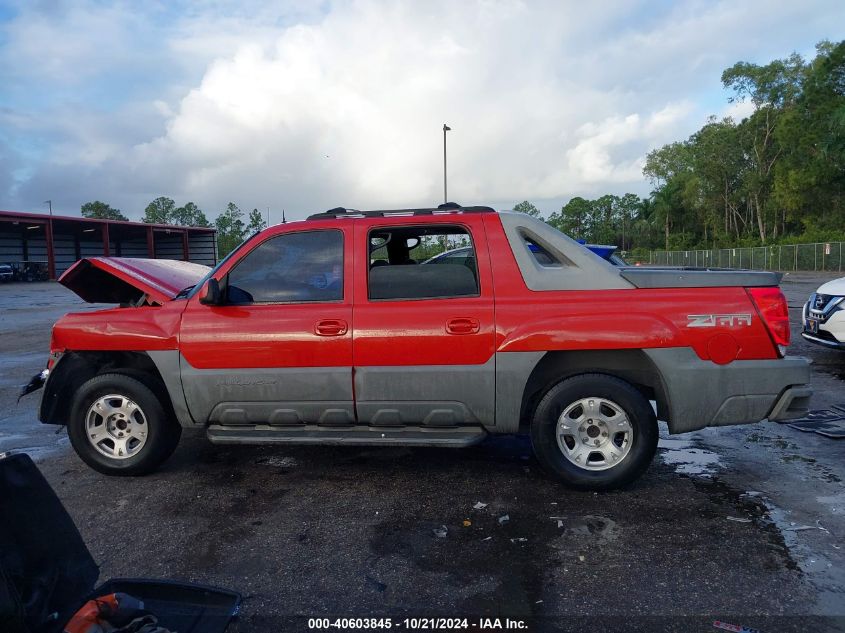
(210,293)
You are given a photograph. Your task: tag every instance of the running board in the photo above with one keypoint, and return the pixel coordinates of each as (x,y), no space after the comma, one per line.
(353,435)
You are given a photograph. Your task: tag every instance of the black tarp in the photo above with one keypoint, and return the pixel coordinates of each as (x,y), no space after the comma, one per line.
(47,572)
(45,567)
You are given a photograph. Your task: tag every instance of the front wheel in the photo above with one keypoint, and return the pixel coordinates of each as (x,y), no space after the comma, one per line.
(594,432)
(118,426)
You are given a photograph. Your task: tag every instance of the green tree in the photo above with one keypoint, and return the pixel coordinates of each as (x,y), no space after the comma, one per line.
(528,209)
(778,174)
(719,162)
(230,229)
(189,215)
(255,222)
(160,211)
(668,168)
(575,218)
(101,211)
(628,207)
(773,89)
(811,172)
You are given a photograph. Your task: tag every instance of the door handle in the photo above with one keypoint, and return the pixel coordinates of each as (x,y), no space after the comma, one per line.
(331,327)
(463,325)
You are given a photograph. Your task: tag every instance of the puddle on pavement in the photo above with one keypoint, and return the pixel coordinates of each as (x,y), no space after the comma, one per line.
(596,530)
(37,453)
(752,508)
(827,577)
(800,546)
(687,459)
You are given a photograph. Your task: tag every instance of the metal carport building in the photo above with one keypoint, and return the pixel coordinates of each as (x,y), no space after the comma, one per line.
(58,241)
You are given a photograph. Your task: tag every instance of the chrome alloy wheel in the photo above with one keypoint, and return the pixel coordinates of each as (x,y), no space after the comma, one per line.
(594,433)
(116,427)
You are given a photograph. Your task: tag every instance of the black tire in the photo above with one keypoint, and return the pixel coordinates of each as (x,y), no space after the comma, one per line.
(637,409)
(162,433)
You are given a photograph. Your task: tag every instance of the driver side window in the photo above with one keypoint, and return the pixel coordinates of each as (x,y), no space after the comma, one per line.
(292,268)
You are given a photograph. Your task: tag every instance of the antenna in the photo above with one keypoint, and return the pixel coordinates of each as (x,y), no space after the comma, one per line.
(284,221)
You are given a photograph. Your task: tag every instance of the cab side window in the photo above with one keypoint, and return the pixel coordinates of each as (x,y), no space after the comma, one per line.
(432,262)
(292,268)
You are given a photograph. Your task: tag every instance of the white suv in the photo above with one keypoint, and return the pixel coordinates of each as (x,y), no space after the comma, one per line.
(824,315)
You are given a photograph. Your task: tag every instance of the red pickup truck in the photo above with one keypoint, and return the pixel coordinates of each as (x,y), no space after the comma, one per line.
(425,327)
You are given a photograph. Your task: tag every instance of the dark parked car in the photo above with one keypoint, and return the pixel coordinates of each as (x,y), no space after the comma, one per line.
(7,273)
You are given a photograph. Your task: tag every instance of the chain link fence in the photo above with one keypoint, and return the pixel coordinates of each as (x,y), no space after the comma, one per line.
(826,256)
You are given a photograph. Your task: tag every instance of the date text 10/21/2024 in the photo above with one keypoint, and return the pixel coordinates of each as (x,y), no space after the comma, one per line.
(413,624)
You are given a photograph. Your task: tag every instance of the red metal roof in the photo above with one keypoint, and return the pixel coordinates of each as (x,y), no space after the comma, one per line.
(43,218)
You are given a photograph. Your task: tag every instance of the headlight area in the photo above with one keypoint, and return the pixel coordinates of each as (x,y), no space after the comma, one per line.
(823,320)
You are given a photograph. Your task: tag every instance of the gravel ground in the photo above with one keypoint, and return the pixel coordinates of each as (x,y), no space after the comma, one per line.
(716,529)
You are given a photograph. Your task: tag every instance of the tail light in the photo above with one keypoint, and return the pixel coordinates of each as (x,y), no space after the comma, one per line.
(771,305)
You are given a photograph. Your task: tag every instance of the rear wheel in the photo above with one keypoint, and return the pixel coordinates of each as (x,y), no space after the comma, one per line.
(118,426)
(594,432)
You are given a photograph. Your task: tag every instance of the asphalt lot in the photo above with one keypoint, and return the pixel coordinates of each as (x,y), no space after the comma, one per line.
(741,524)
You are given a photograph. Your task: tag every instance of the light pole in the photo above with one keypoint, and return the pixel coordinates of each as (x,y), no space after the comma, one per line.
(446,128)
(51,256)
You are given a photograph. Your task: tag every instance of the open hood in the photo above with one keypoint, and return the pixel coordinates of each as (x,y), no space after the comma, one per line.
(126,280)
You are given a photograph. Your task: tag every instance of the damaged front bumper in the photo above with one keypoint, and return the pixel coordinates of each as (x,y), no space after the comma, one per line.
(35,383)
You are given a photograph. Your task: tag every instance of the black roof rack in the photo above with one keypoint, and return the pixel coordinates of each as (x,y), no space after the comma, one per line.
(447,207)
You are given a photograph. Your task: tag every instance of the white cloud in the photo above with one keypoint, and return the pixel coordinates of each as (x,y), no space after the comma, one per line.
(592,160)
(738,110)
(308,109)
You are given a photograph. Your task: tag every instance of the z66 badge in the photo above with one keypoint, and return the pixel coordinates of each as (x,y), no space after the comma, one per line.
(713,320)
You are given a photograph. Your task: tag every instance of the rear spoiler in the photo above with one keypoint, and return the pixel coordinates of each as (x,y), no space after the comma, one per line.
(643,277)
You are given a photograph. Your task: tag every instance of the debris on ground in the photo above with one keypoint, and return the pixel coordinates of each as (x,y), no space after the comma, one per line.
(520,539)
(504,519)
(801,528)
(827,422)
(581,558)
(440,532)
(739,520)
(487,539)
(479,506)
(467,522)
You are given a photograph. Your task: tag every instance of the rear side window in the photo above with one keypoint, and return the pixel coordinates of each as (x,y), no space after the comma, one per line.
(431,262)
(541,255)
(291,268)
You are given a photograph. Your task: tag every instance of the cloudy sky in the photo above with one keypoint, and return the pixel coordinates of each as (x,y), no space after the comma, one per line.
(310,105)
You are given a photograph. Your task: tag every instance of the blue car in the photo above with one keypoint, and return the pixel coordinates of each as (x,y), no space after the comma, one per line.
(606,252)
